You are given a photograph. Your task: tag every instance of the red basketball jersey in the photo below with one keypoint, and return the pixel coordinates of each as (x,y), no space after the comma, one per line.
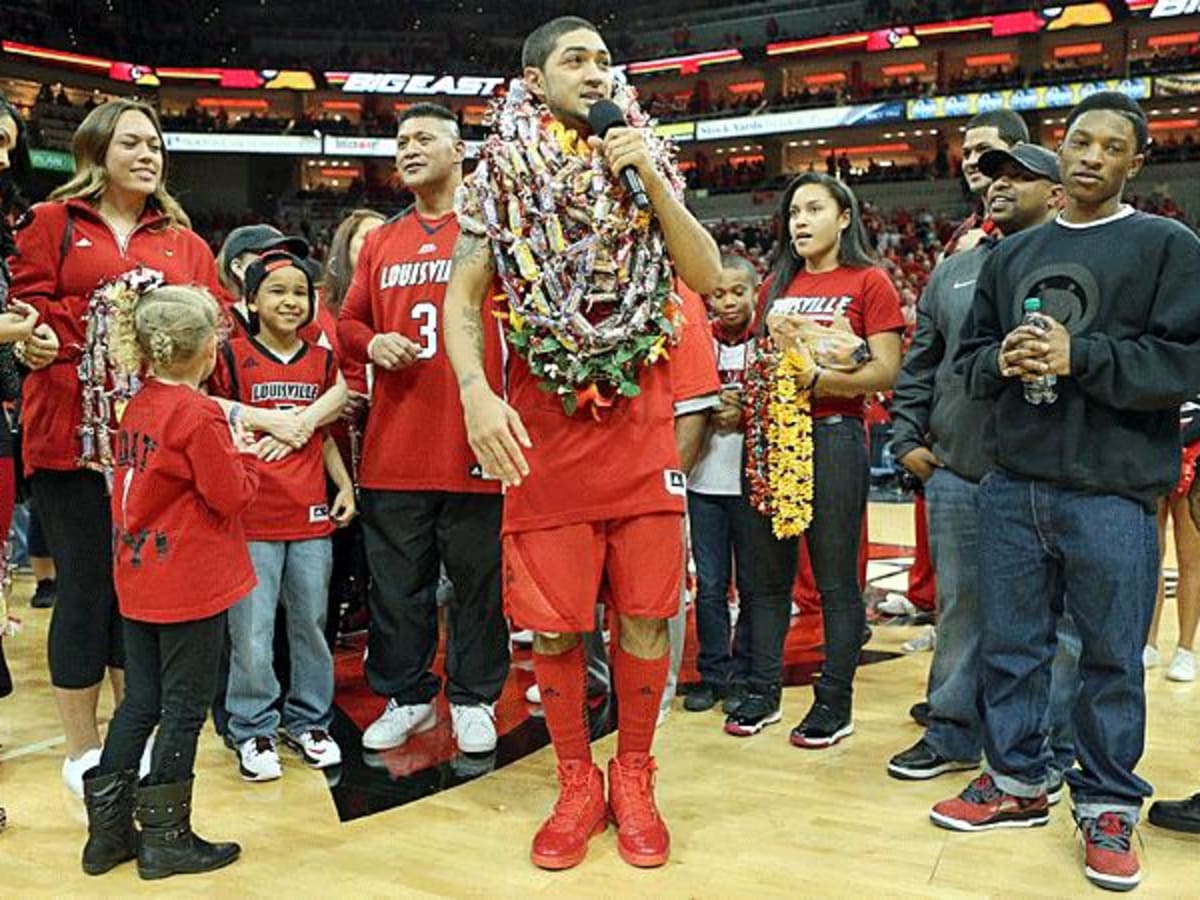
(416,439)
(622,464)
(293,503)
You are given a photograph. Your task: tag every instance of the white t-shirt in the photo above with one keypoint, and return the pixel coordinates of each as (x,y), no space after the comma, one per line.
(718,470)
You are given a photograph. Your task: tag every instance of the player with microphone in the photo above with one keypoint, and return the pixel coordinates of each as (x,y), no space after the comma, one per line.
(589,283)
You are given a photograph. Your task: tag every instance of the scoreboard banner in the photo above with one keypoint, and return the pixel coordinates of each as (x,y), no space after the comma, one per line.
(1050,96)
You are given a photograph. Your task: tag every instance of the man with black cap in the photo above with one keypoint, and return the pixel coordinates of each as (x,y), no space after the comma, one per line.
(245,244)
(1070,499)
(938,437)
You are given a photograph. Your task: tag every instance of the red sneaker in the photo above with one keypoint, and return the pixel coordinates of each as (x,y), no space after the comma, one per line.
(642,836)
(983,806)
(1109,859)
(578,815)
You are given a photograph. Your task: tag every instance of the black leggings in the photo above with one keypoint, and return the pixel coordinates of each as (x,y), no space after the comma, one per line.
(85,627)
(169,681)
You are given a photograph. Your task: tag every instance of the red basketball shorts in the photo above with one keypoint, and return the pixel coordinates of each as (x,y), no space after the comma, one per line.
(552,577)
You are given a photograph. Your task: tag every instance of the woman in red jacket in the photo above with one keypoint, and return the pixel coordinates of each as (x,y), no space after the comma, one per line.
(115,214)
(180,489)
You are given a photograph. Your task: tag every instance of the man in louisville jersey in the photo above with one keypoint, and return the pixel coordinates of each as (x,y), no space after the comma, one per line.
(424,499)
(594,491)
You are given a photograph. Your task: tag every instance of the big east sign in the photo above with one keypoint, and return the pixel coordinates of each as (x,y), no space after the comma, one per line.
(430,85)
(1165,9)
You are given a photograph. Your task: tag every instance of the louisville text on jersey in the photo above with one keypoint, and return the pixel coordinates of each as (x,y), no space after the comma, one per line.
(289,391)
(412,274)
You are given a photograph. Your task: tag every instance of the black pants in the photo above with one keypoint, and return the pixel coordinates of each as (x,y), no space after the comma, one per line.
(841,480)
(85,626)
(170,674)
(408,536)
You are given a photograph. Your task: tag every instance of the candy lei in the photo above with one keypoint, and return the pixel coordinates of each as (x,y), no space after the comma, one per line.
(586,283)
(779,443)
(106,385)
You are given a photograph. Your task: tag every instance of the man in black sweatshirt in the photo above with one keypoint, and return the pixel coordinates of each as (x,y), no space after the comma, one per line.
(1069,504)
(938,436)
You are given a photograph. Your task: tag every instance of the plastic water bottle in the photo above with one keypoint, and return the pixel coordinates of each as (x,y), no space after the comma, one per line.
(1042,389)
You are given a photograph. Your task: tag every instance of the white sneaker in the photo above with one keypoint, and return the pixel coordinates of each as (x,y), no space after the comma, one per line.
(73,770)
(1151,658)
(258,760)
(522,638)
(533,694)
(316,748)
(474,727)
(922,643)
(896,605)
(397,724)
(1183,666)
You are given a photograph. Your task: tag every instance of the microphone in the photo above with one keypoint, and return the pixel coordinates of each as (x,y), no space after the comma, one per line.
(604,115)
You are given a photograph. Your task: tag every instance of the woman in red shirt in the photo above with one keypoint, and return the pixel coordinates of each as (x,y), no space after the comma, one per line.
(180,488)
(822,272)
(115,214)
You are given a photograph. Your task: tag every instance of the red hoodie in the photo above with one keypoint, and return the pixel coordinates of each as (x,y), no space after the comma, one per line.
(59,285)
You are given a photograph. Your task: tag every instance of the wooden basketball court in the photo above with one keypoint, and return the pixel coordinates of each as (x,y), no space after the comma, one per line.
(749,817)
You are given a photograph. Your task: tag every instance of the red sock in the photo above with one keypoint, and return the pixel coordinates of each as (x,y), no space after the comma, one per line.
(562,679)
(639,685)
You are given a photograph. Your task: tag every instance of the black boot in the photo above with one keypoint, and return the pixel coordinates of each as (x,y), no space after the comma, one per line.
(111,837)
(168,846)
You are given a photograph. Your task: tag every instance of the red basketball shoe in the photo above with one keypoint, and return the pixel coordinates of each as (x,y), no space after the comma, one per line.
(983,805)
(1109,858)
(579,814)
(642,836)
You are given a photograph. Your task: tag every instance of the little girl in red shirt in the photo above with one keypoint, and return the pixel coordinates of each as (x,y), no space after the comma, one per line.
(182,479)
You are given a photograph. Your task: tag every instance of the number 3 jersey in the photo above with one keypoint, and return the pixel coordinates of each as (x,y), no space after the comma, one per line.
(416,439)
(293,503)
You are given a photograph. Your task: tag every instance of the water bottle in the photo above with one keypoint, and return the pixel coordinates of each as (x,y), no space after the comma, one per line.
(1041,390)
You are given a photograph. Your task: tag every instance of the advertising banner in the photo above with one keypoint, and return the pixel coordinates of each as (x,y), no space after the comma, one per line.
(1053,96)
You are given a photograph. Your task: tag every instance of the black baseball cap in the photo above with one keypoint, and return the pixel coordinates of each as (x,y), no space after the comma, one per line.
(259,239)
(1032,158)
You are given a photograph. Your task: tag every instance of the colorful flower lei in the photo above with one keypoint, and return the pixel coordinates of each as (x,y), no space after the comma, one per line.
(587,288)
(779,443)
(108,385)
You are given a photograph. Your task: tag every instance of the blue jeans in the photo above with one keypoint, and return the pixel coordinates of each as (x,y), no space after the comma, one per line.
(717,544)
(955,731)
(1095,555)
(295,573)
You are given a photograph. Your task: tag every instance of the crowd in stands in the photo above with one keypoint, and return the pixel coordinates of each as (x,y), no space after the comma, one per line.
(705,101)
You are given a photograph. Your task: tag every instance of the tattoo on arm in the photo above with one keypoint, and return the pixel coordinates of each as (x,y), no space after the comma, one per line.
(471,248)
(473,329)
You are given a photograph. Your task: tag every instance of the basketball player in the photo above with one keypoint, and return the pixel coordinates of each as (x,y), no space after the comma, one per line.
(586,499)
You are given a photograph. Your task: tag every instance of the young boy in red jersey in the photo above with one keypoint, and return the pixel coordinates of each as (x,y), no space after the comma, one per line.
(288,528)
(424,499)
(587,499)
(180,561)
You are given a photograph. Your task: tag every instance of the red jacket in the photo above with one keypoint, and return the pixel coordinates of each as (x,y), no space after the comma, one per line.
(59,285)
(179,491)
